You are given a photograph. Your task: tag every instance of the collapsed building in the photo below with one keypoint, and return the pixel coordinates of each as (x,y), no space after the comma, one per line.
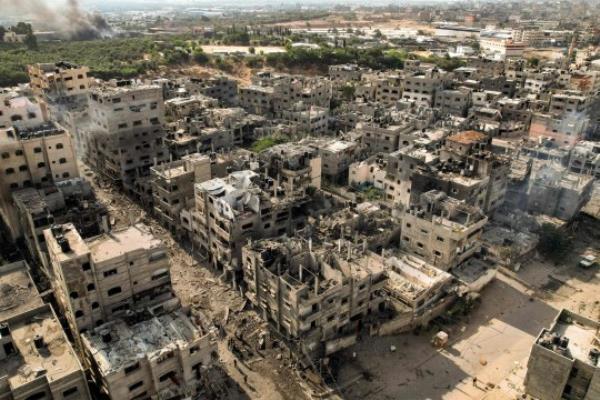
(211,130)
(319,299)
(241,206)
(164,356)
(294,167)
(365,224)
(36,357)
(71,201)
(320,295)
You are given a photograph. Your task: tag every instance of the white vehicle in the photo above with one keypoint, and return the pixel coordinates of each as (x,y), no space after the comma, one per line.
(588,261)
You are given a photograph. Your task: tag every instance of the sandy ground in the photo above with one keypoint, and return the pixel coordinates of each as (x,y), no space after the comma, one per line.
(491,344)
(364,21)
(199,288)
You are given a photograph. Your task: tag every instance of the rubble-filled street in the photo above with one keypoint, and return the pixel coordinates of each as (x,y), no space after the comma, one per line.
(354,201)
(251,373)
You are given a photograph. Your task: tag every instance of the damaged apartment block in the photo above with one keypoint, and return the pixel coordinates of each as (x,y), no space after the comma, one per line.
(115,293)
(242,206)
(318,299)
(564,360)
(36,357)
(126,134)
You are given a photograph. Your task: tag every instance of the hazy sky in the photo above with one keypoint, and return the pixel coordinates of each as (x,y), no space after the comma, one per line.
(103,3)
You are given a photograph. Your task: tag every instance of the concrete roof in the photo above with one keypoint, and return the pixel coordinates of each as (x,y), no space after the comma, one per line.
(54,361)
(17,291)
(117,243)
(468,137)
(130,343)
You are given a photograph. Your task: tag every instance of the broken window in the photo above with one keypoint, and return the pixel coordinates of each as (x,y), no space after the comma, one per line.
(114,290)
(110,272)
(130,368)
(70,392)
(136,385)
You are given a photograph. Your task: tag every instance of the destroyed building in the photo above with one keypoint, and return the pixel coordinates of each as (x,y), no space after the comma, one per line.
(59,81)
(173,187)
(563,362)
(317,299)
(336,157)
(293,167)
(21,110)
(242,206)
(271,94)
(385,138)
(102,278)
(415,292)
(310,119)
(550,189)
(36,357)
(126,134)
(366,224)
(165,356)
(442,230)
(181,107)
(585,159)
(211,130)
(32,157)
(467,170)
(220,87)
(71,200)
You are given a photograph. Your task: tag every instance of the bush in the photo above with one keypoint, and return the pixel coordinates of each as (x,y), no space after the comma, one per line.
(200,56)
(267,142)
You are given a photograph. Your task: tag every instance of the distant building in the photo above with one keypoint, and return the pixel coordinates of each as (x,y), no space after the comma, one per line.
(59,81)
(501,49)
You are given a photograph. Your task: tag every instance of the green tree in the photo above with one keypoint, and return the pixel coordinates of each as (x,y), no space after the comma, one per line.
(31,41)
(22,28)
(200,56)
(2,32)
(348,92)
(533,62)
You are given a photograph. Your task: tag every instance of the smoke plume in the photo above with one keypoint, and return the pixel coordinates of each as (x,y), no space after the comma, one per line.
(68,19)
